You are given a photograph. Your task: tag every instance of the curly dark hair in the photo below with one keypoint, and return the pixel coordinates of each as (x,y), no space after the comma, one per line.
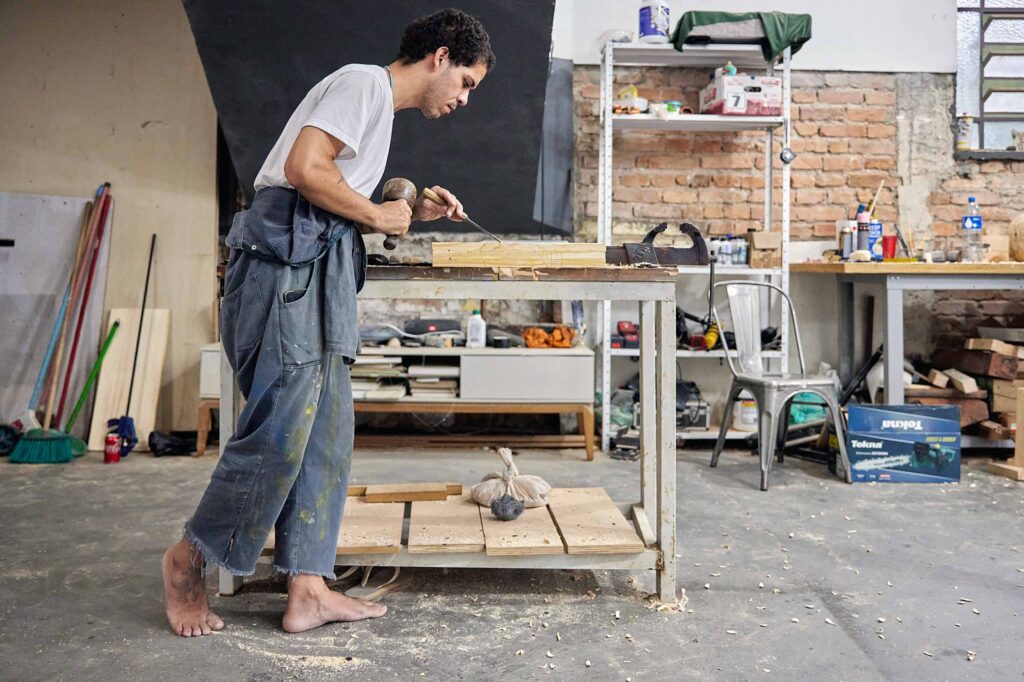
(463,35)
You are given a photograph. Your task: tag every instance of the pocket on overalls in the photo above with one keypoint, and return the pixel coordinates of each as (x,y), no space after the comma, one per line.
(242,319)
(300,318)
(300,245)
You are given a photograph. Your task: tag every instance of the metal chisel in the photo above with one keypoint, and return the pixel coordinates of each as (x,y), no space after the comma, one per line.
(431,195)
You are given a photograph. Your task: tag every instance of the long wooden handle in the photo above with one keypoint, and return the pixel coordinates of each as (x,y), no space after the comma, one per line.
(431,195)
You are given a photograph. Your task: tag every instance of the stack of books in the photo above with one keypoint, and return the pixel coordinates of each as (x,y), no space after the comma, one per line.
(434,382)
(376,377)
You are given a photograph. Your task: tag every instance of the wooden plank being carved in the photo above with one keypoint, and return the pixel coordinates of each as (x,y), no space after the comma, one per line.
(518,255)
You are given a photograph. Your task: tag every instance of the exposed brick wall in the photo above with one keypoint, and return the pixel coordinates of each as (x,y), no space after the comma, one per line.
(844,132)
(999,188)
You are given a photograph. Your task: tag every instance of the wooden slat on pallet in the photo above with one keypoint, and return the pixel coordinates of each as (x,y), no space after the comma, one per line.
(365,529)
(978,362)
(405,492)
(451,526)
(371,528)
(518,254)
(532,533)
(590,523)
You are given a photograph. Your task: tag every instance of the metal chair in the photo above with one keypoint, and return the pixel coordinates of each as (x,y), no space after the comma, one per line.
(771,391)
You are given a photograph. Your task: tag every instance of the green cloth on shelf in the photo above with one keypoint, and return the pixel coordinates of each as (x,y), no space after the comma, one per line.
(781,30)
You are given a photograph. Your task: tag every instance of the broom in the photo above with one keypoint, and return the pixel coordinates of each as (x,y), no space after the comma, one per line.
(45,445)
(78,446)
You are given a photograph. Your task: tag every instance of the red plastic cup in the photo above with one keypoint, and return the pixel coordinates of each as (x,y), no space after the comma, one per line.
(888,246)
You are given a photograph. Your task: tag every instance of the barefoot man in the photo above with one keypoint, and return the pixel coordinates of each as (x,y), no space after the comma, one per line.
(288,325)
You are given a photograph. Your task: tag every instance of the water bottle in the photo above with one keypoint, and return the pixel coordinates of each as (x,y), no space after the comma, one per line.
(654,21)
(476,331)
(725,251)
(970,228)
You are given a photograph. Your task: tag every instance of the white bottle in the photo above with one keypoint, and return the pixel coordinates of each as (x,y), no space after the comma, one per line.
(476,331)
(654,21)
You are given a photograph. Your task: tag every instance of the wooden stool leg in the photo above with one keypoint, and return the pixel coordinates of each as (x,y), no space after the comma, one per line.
(586,418)
(203,422)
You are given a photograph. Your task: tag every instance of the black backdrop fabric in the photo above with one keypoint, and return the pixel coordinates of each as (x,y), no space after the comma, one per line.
(261,57)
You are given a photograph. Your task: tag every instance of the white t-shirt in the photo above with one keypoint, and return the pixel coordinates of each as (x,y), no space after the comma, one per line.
(353,104)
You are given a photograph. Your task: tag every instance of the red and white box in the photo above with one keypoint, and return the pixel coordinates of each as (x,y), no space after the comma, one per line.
(742,96)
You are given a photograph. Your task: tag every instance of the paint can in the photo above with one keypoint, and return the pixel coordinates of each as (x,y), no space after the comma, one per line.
(744,414)
(112,449)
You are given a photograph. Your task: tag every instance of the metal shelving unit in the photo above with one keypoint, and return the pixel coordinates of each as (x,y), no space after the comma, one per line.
(695,56)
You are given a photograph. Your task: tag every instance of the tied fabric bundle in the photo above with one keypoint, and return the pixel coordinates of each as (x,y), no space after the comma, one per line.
(532,491)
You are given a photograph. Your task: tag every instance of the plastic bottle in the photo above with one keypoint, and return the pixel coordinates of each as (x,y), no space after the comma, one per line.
(476,331)
(725,251)
(654,21)
(970,228)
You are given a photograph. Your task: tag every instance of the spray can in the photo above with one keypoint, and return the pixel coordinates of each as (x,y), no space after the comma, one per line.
(111,449)
(846,237)
(863,228)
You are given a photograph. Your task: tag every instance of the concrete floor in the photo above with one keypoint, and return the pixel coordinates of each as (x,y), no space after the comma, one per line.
(80,589)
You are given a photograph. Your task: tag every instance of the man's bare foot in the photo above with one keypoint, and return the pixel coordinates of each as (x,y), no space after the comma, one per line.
(188,611)
(311,604)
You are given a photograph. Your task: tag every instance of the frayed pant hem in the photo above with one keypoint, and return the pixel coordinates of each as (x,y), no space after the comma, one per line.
(209,557)
(292,572)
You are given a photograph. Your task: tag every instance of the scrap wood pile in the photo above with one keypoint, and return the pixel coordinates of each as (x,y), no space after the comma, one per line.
(982,378)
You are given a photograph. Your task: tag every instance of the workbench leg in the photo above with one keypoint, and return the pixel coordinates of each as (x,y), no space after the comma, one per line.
(893,345)
(666,457)
(845,331)
(228,584)
(648,414)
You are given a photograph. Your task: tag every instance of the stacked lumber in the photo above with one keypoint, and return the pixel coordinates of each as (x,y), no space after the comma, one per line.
(982,378)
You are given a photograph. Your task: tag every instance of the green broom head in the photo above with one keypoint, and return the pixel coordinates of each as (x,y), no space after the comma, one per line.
(43,446)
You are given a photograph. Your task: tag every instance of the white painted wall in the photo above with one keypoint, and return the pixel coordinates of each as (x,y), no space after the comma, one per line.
(868,35)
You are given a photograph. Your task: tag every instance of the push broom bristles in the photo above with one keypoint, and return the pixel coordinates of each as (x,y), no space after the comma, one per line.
(42,446)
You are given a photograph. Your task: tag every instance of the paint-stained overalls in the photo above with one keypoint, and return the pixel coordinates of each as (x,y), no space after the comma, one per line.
(289,327)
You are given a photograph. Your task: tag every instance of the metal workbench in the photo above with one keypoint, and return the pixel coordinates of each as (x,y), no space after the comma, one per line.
(654,515)
(896,278)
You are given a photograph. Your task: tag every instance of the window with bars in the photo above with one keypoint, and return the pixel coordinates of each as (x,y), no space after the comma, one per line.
(990,72)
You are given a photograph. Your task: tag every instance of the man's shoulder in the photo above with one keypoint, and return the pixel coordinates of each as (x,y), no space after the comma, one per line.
(355,75)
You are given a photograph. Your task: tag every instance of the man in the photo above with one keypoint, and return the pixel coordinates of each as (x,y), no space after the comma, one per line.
(288,325)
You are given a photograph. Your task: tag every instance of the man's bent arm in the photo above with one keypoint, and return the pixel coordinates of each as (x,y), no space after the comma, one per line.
(311,170)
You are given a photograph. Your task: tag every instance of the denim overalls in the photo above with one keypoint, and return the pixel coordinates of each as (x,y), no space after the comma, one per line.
(289,328)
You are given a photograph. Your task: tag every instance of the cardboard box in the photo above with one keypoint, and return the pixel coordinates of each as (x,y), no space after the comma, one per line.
(742,96)
(904,443)
(765,249)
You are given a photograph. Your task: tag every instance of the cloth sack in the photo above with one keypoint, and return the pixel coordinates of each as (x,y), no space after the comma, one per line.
(532,491)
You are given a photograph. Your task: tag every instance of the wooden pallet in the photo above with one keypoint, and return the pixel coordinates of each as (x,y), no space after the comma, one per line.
(577,521)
